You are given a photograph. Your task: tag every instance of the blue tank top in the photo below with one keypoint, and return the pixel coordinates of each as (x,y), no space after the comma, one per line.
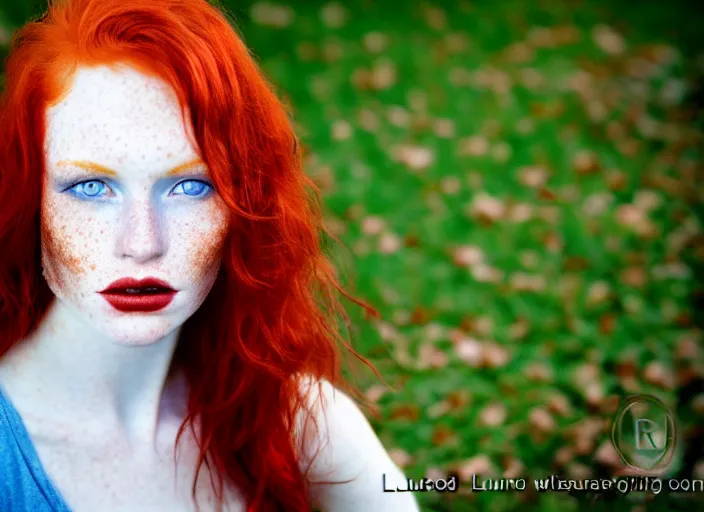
(24,485)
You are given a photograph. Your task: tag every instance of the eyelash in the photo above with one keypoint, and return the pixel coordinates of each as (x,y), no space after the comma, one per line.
(205,191)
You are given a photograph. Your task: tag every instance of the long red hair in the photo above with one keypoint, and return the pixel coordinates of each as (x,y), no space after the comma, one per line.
(273,314)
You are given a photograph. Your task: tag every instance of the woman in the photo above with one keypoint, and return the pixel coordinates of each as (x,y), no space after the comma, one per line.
(167,318)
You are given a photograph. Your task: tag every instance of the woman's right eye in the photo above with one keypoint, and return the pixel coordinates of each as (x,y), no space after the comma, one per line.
(90,189)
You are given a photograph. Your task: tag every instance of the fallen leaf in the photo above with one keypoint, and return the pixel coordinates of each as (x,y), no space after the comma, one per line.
(607,323)
(467,256)
(487,208)
(634,276)
(597,204)
(542,420)
(586,373)
(438,409)
(470,351)
(333,51)
(584,435)
(559,404)
(608,40)
(563,456)
(477,465)
(368,120)
(585,162)
(484,273)
(444,128)
(430,356)
(514,468)
(525,282)
(533,176)
(373,225)
(443,436)
(459,399)
(495,356)
(501,151)
(272,15)
(435,17)
(334,15)
(414,157)
(541,37)
(687,348)
(493,415)
(341,130)
(306,51)
(400,457)
(529,258)
(578,471)
(375,392)
(698,403)
(409,412)
(433,331)
(475,145)
(525,126)
(610,404)
(594,393)
(519,329)
(389,243)
(375,42)
(398,116)
(383,75)
(483,325)
(519,53)
(451,185)
(598,293)
(520,212)
(659,375)
(538,372)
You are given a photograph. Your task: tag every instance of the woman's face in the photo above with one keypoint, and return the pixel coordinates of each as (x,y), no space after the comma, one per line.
(126,197)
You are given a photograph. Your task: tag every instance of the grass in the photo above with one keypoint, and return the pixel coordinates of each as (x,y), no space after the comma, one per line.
(517,188)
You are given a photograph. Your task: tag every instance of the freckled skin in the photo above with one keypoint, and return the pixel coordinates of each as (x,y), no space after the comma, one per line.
(130,123)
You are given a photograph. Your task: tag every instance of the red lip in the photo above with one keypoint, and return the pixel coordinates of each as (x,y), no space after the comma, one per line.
(134,295)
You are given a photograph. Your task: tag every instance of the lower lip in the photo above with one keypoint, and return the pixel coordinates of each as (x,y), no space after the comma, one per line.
(139,303)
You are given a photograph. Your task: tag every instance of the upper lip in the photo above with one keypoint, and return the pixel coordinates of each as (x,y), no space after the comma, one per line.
(122,285)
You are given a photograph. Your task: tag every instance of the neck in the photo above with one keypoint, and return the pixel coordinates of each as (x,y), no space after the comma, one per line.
(67,372)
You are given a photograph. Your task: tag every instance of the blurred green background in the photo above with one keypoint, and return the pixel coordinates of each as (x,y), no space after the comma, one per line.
(518,188)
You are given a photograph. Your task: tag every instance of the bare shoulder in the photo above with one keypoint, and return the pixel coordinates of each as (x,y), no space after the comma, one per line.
(339,445)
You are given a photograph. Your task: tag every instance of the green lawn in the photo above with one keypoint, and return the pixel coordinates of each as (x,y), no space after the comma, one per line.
(518,188)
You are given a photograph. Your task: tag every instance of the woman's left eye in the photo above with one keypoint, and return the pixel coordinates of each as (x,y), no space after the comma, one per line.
(192,188)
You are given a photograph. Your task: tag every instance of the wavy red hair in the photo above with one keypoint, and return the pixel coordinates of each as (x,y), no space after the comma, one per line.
(273,313)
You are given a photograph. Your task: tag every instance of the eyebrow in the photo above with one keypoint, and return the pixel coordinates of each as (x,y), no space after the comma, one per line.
(92,166)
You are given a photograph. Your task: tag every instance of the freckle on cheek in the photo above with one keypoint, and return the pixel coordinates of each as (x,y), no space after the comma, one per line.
(208,253)
(57,248)
(49,251)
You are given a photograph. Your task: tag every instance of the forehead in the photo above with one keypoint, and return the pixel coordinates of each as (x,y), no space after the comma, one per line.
(117,117)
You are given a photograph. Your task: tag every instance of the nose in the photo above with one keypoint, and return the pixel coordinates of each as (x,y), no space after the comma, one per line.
(140,234)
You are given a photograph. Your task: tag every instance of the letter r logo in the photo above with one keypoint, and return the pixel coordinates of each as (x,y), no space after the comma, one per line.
(644,432)
(644,429)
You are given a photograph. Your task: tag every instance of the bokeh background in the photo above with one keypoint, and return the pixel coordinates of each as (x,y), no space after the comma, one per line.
(517,186)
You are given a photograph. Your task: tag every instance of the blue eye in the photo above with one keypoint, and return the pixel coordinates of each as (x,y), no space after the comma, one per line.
(192,188)
(90,189)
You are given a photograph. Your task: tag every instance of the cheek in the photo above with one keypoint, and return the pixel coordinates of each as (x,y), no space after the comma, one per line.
(203,237)
(70,240)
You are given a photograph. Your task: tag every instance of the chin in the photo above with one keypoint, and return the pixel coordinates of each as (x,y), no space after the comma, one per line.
(137,331)
(142,328)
